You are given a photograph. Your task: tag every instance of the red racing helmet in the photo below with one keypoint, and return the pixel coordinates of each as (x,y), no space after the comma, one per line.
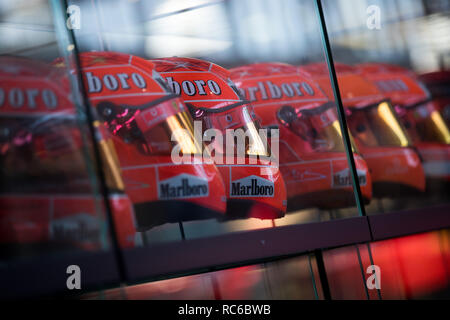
(312,154)
(395,166)
(254,185)
(438,84)
(145,119)
(46,195)
(420,113)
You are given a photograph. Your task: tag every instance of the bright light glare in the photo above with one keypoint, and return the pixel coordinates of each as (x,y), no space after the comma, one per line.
(385,113)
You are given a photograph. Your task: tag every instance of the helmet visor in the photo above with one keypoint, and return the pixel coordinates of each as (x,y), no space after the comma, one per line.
(155,128)
(238,122)
(378,125)
(318,126)
(425,124)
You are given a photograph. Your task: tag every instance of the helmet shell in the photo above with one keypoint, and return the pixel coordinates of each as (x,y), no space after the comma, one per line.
(40,155)
(162,191)
(420,109)
(396,170)
(285,97)
(215,100)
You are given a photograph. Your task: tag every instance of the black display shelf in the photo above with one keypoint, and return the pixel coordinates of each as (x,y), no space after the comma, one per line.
(199,255)
(403,223)
(45,275)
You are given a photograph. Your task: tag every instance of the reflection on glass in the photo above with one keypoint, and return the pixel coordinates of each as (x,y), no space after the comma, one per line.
(256,147)
(150,127)
(245,138)
(438,130)
(110,161)
(48,198)
(379,126)
(39,155)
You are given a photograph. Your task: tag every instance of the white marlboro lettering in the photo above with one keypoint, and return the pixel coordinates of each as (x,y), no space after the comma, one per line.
(269,90)
(344,179)
(294,175)
(173,85)
(123,78)
(49,99)
(252,186)
(79,228)
(308,89)
(274,90)
(297,89)
(16,98)
(391,85)
(110,82)
(29,98)
(188,88)
(262,90)
(287,90)
(138,80)
(94,83)
(252,93)
(192,88)
(183,186)
(114,82)
(200,86)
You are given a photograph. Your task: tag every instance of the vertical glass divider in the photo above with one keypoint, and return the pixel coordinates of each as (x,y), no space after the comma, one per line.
(340,109)
(66,43)
(322,274)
